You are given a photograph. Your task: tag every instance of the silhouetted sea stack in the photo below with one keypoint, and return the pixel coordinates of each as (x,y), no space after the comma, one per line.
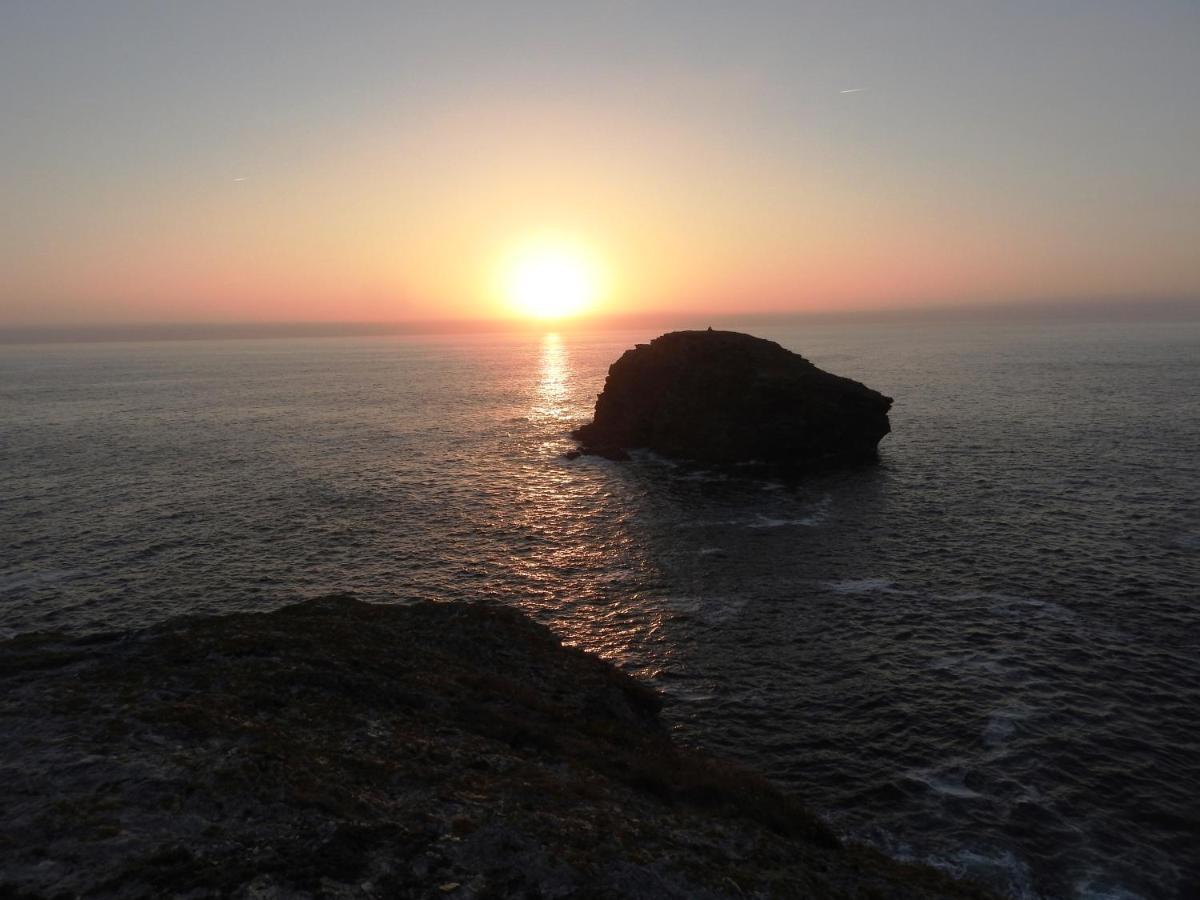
(726,397)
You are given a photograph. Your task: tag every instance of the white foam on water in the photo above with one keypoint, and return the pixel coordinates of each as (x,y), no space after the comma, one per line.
(710,551)
(992,663)
(1003,870)
(1002,724)
(14,580)
(1090,888)
(818,513)
(993,866)
(703,476)
(1025,605)
(1188,541)
(762,521)
(699,692)
(642,455)
(709,610)
(863,586)
(1002,604)
(998,730)
(948,784)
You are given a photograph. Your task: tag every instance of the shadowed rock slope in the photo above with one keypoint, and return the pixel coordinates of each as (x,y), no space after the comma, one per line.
(726,397)
(340,749)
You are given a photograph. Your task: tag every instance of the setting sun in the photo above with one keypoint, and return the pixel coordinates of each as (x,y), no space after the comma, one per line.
(551,280)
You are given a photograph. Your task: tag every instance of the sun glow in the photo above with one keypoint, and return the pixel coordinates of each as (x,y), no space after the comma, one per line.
(551,280)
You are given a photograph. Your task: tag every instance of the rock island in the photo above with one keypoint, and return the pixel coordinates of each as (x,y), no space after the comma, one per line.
(726,397)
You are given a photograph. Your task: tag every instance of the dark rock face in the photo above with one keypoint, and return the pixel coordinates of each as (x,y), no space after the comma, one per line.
(725,397)
(339,749)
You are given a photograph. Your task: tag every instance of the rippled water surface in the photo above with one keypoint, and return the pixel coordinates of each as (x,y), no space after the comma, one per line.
(985,651)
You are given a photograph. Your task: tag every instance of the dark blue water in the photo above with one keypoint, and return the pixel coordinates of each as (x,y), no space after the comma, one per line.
(984,652)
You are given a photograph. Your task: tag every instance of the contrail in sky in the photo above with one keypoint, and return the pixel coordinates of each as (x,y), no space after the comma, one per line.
(852,91)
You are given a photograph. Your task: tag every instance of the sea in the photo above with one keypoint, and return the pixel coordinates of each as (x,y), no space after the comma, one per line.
(982,652)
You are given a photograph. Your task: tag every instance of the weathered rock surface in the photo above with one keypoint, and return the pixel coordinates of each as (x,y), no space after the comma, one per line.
(726,397)
(340,749)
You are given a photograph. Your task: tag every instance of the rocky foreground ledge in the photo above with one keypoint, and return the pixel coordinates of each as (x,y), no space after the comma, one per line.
(340,749)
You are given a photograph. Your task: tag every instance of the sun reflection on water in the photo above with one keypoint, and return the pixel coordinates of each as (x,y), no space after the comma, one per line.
(574,559)
(551,398)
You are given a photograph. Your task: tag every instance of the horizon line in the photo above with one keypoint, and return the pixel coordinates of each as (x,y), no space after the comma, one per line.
(1009,312)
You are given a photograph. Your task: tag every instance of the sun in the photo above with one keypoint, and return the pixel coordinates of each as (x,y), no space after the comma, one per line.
(551,280)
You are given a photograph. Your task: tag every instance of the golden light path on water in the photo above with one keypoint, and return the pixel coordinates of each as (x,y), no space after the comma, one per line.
(579,575)
(552,387)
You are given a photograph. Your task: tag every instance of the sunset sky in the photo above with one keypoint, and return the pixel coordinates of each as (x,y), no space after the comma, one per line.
(221,162)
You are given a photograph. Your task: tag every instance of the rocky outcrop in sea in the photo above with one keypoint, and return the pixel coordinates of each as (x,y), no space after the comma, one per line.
(726,397)
(339,749)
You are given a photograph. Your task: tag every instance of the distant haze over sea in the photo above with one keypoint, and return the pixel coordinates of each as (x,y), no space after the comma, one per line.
(1119,310)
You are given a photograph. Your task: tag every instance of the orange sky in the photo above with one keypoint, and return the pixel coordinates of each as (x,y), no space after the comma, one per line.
(206,165)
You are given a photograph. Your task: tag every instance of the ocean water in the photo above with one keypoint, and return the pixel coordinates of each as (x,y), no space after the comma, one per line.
(983,652)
